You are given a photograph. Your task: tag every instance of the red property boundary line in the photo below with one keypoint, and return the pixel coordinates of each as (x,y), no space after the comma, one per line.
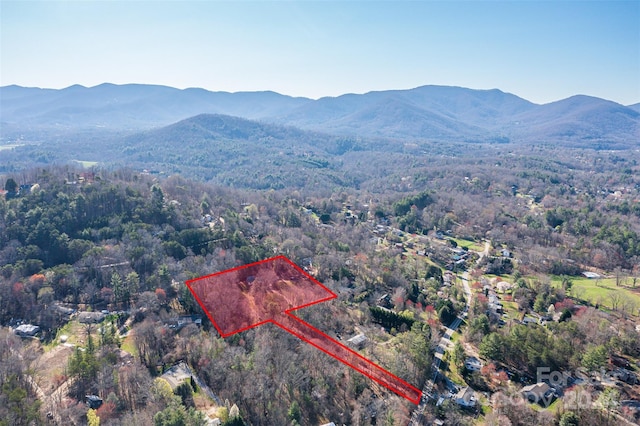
(189,283)
(308,333)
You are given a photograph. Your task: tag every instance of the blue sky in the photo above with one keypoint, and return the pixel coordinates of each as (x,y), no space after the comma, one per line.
(542,51)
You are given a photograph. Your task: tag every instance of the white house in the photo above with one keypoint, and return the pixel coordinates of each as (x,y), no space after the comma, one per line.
(591,275)
(473,364)
(503,286)
(465,397)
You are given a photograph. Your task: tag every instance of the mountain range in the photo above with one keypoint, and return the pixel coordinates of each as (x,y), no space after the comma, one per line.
(427,113)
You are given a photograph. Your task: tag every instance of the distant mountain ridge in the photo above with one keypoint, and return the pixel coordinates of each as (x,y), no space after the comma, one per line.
(453,108)
(430,113)
(131,106)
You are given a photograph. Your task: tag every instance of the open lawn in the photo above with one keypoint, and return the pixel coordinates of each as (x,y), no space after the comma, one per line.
(128,345)
(605,293)
(471,245)
(555,406)
(10,146)
(511,309)
(451,369)
(75,332)
(505,277)
(86,164)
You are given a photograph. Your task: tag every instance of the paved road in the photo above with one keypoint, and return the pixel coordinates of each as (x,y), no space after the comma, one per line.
(417,417)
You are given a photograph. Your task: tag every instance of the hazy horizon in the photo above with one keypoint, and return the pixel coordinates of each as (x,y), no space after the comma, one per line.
(301,97)
(539,51)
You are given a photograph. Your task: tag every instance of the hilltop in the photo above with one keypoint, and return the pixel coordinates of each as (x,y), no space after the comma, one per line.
(431,113)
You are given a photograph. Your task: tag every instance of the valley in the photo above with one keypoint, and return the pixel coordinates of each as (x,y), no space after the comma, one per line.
(481,247)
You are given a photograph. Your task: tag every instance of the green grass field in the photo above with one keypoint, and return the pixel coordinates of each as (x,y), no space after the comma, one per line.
(511,309)
(471,245)
(74,332)
(603,292)
(129,345)
(86,164)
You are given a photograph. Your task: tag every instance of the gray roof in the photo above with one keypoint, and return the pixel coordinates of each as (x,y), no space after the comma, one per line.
(538,388)
(91,317)
(359,339)
(27,329)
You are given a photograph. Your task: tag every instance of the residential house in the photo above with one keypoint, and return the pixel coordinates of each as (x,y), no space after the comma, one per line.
(465,397)
(27,330)
(177,375)
(448,278)
(495,305)
(539,393)
(179,322)
(358,341)
(591,275)
(530,320)
(63,311)
(91,317)
(93,401)
(503,286)
(473,364)
(385,301)
(625,375)
(87,177)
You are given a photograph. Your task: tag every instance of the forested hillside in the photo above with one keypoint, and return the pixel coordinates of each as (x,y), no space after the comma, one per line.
(265,213)
(123,243)
(100,227)
(75,242)
(427,113)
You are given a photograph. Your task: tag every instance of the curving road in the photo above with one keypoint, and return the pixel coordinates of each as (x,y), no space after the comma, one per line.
(417,418)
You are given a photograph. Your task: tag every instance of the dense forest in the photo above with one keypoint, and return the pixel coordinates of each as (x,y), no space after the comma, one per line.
(126,243)
(386,236)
